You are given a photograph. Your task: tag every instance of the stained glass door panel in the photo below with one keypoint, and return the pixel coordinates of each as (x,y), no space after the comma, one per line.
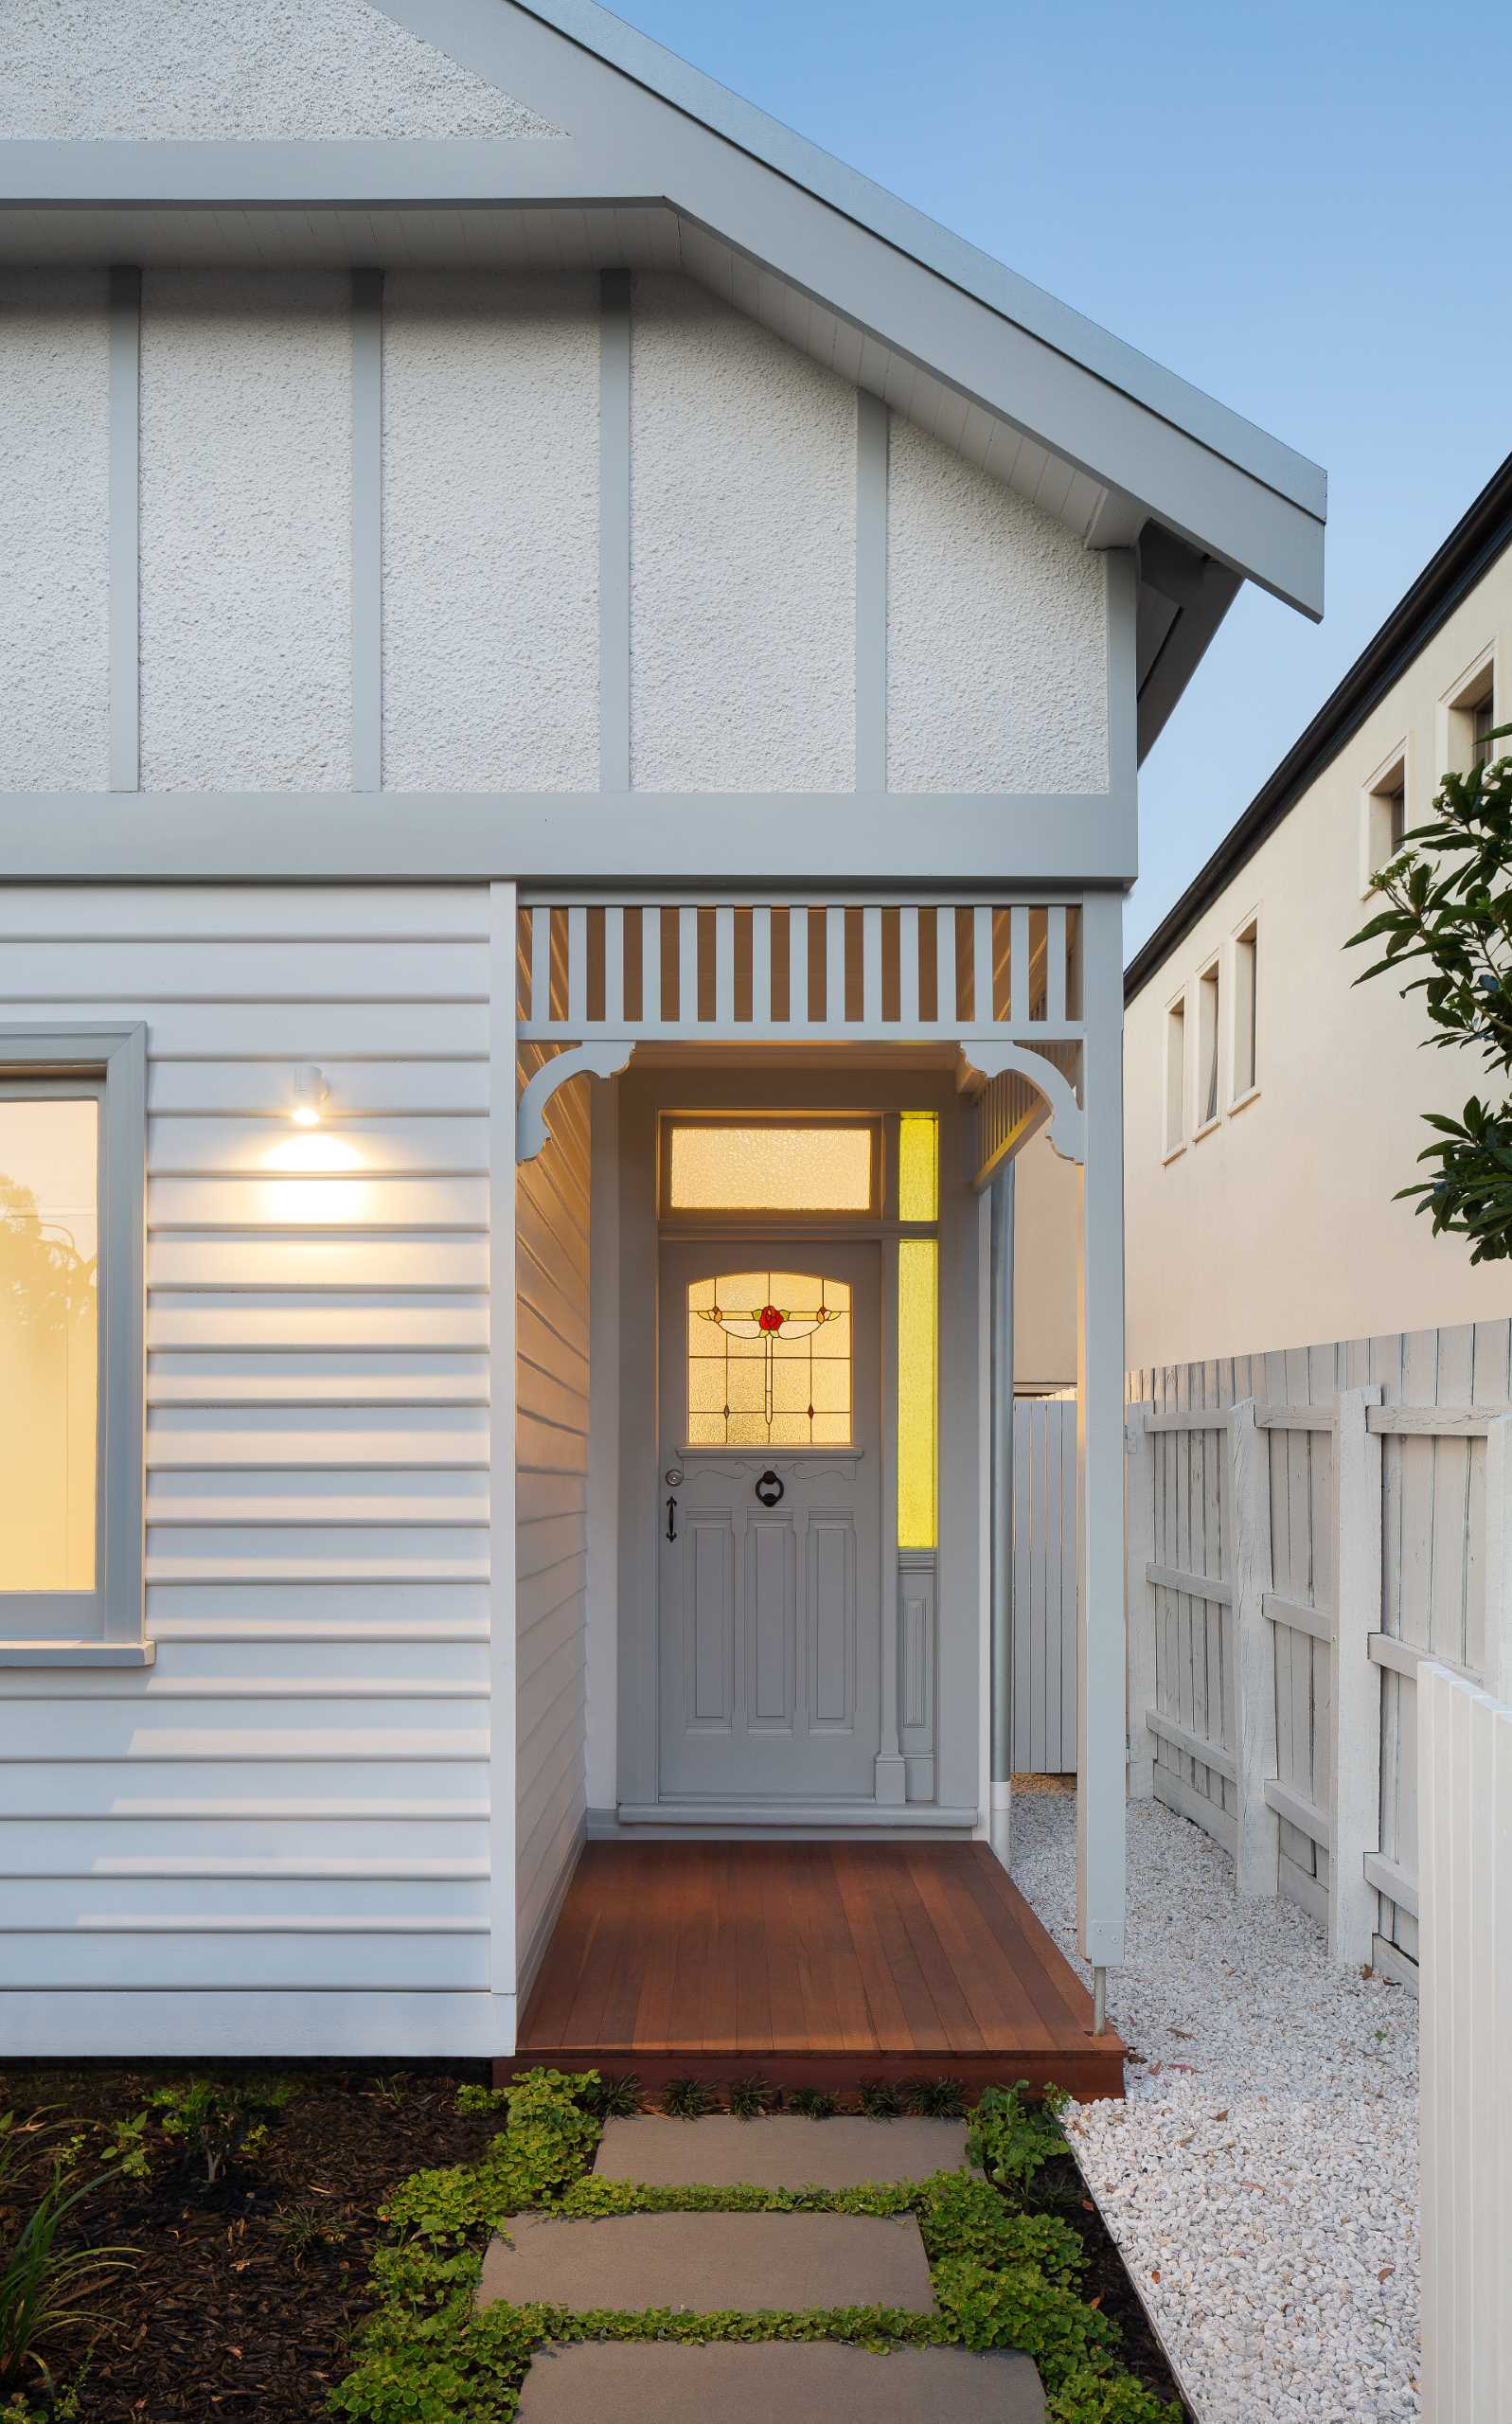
(769,1539)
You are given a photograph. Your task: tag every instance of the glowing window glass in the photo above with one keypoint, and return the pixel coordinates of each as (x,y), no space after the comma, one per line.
(770,1168)
(49,1352)
(919,1166)
(767,1361)
(917,1391)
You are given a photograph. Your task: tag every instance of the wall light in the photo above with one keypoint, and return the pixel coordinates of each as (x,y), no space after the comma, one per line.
(310,1097)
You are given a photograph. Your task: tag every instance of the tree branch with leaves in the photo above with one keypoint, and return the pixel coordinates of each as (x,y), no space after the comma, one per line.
(1448,915)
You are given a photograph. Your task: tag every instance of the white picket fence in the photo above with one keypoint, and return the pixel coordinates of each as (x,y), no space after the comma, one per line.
(1304,1529)
(1465,1772)
(1044,1586)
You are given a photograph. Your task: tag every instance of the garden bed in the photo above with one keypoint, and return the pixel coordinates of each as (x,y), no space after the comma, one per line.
(244,2296)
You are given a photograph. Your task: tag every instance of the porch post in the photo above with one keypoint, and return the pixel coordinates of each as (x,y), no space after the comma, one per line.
(1101,1733)
(1001,1369)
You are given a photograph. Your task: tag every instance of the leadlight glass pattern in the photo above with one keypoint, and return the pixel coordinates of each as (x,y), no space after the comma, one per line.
(768,1361)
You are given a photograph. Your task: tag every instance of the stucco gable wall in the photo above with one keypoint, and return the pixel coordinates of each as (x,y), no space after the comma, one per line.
(238,71)
(754,654)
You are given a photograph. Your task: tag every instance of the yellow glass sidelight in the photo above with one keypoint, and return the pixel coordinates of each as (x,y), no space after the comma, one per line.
(919,1166)
(719,1166)
(767,1361)
(918,1392)
(49,1342)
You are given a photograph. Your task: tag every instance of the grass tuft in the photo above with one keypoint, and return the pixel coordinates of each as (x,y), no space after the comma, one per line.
(751,2097)
(687,2099)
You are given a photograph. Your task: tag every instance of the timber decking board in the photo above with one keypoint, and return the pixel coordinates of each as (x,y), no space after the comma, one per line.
(818,1964)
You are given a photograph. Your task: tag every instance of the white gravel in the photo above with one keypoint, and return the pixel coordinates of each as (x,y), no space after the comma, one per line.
(1261,2178)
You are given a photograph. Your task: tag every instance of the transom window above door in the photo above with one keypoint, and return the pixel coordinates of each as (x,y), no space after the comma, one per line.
(817,1168)
(768,1361)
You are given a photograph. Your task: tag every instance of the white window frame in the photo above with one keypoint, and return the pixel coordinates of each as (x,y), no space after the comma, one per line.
(1484,674)
(1246,934)
(1175,1084)
(1207,1083)
(1395,773)
(102,1627)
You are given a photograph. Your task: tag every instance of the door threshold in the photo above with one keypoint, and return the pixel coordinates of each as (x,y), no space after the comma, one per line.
(834,1817)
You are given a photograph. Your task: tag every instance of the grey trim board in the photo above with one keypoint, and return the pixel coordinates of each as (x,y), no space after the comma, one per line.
(368,531)
(1054,839)
(125,520)
(614,333)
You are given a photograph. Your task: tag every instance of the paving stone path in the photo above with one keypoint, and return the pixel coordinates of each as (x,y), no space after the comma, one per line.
(702,2263)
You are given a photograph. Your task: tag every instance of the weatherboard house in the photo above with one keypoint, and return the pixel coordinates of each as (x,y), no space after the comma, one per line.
(571,683)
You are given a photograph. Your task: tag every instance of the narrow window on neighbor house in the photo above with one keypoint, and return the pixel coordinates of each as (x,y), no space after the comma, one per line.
(1175,1076)
(1207,1036)
(1246,1004)
(1483,719)
(1385,816)
(1471,721)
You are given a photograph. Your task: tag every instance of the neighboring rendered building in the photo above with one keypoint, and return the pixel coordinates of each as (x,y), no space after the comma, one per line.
(572,677)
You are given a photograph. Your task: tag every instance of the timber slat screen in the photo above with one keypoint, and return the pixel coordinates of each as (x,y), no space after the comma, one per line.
(815,1965)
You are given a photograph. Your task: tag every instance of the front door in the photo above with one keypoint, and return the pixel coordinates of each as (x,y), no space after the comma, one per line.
(770,1519)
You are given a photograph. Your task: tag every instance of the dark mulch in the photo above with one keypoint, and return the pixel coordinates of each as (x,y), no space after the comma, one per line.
(243,2297)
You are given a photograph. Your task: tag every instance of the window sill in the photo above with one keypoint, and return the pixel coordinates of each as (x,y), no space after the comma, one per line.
(78,1653)
(1242,1102)
(1173,1152)
(1207,1128)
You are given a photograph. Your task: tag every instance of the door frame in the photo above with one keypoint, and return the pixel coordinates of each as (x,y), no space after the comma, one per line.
(949,1791)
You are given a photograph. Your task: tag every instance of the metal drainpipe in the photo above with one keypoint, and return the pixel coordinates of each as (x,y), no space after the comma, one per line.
(1001,1400)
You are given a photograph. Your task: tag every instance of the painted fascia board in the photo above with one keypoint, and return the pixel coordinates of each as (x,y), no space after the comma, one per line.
(479,34)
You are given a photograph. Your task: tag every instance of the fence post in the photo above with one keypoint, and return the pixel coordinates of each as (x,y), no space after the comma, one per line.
(1139,1549)
(1354,1908)
(1257,1833)
(1496,1656)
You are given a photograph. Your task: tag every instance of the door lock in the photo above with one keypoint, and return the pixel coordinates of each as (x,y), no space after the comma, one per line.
(770,1489)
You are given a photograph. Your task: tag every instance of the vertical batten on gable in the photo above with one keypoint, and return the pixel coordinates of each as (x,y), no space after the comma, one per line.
(246,531)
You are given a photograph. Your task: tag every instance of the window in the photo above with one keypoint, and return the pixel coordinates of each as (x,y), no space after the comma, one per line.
(72,1126)
(1176,1076)
(1385,816)
(1207,1044)
(767,1361)
(919,1291)
(1246,1011)
(1471,715)
(768,1166)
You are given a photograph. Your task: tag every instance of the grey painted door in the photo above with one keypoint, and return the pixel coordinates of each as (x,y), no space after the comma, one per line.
(768,1530)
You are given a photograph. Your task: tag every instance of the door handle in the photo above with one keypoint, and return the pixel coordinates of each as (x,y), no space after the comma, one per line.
(672,1518)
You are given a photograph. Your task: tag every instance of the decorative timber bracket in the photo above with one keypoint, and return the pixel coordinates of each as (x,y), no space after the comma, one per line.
(604,1057)
(992,1057)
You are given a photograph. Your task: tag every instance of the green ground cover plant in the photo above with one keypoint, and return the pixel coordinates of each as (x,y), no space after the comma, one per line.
(47,2287)
(1005,2274)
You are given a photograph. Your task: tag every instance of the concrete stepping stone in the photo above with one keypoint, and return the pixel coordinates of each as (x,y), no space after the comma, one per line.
(782,2150)
(650,2381)
(700,2263)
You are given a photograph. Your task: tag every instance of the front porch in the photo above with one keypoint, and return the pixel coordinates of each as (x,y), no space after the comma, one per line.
(812,1964)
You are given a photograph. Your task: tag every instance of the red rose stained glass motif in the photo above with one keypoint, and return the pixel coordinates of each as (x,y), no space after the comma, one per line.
(768,1318)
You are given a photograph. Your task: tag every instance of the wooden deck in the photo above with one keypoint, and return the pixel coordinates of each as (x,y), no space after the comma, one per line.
(813,1964)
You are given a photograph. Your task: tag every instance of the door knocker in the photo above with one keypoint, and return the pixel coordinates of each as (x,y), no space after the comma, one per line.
(770,1489)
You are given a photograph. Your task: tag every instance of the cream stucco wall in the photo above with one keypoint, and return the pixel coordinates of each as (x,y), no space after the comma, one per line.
(1046,1200)
(1276,1226)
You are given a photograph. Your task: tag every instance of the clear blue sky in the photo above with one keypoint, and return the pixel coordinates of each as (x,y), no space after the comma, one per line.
(1304,209)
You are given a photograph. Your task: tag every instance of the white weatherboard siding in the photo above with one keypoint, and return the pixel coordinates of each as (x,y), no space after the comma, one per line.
(294,1799)
(997,634)
(54,491)
(277,70)
(742,550)
(491,533)
(551,1455)
(245,531)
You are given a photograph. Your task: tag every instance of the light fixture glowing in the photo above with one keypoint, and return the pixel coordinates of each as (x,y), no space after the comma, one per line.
(311,1093)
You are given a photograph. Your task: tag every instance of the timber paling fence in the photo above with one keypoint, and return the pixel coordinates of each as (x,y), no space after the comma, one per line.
(1305,1530)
